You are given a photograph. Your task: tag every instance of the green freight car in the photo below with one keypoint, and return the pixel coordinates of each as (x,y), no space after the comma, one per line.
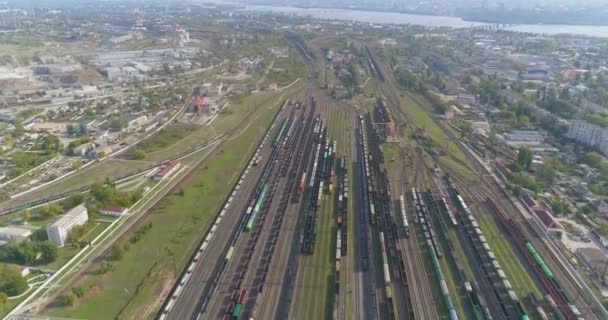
(546,271)
(237,311)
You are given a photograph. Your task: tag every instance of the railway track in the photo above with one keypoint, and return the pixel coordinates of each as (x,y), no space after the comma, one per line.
(424,304)
(487,188)
(247,278)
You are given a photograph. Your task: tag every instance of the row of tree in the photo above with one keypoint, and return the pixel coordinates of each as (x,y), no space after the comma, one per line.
(29,252)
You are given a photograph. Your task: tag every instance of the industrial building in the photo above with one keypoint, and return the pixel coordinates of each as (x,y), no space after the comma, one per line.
(57,232)
(14,233)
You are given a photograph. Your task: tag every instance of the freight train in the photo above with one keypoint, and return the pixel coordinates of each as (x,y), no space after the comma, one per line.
(406,226)
(556,294)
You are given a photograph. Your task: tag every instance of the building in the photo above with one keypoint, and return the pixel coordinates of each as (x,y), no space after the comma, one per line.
(543,216)
(518,138)
(548,222)
(166,170)
(135,122)
(113,211)
(57,231)
(83,149)
(14,233)
(534,74)
(590,135)
(280,52)
(504,172)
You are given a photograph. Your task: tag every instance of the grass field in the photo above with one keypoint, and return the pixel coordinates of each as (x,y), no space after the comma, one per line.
(417,117)
(171,137)
(149,267)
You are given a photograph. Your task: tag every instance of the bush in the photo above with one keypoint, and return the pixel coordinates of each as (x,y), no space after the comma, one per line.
(11,281)
(69,299)
(139,154)
(116,253)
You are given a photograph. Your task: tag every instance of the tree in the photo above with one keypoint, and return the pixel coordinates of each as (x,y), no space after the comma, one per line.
(103,193)
(48,252)
(117,253)
(11,280)
(546,173)
(116,123)
(139,154)
(70,129)
(69,299)
(558,206)
(467,128)
(51,210)
(82,129)
(51,145)
(76,165)
(524,157)
(3,302)
(593,159)
(72,201)
(25,215)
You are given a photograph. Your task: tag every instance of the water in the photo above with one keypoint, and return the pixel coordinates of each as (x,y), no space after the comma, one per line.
(427,20)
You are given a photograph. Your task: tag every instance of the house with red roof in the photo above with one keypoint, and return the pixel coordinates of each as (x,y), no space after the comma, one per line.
(113,211)
(543,216)
(166,170)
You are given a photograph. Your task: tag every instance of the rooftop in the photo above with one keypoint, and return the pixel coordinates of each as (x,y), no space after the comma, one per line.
(16,231)
(68,216)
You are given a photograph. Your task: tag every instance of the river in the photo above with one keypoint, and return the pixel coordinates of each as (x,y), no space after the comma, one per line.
(380,17)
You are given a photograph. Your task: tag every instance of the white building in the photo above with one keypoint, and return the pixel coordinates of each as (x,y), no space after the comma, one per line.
(83,149)
(135,122)
(57,232)
(590,135)
(14,233)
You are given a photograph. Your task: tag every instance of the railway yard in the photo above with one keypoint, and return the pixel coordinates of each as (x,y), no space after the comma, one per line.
(341,214)
(230,161)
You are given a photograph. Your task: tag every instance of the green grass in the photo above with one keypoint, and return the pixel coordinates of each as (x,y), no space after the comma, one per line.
(93,173)
(165,138)
(417,117)
(391,151)
(457,167)
(149,267)
(69,251)
(459,255)
(293,67)
(520,280)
